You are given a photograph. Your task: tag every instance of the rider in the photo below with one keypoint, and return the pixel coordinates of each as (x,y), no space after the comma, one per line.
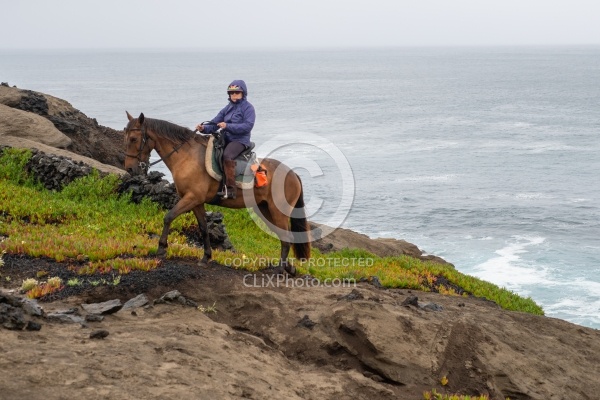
(236,120)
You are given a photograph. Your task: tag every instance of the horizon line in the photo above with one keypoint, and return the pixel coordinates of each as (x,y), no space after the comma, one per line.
(300,48)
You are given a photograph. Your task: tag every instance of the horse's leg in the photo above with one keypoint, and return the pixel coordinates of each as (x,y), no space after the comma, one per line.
(200,214)
(184,205)
(282,221)
(263,212)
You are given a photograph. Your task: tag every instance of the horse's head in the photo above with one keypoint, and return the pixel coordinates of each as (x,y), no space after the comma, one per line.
(138,146)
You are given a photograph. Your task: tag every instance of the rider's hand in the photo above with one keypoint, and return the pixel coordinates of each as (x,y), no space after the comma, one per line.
(222,125)
(200,128)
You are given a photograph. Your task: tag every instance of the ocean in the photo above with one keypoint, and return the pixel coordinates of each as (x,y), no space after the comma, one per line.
(486,157)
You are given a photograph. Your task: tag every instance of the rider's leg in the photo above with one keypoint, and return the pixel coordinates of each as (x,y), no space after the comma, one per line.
(232,150)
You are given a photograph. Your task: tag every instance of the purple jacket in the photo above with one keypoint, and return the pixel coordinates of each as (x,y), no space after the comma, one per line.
(239,117)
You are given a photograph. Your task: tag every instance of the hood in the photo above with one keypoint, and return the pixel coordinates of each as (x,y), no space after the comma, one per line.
(242,84)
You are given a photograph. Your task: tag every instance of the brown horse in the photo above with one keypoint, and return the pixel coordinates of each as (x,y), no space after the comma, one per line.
(280,203)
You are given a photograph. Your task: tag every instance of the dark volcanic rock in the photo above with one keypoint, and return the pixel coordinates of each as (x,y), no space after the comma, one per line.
(94,318)
(306,322)
(55,172)
(411,301)
(99,334)
(353,295)
(136,302)
(152,186)
(65,318)
(12,317)
(219,239)
(107,307)
(13,312)
(34,102)
(33,326)
(31,307)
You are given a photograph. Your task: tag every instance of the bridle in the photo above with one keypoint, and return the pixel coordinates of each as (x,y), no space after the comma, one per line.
(144,164)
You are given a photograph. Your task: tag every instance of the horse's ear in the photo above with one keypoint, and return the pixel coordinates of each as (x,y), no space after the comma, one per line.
(129,117)
(141,118)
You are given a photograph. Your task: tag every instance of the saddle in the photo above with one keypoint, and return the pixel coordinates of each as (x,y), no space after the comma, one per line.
(246,163)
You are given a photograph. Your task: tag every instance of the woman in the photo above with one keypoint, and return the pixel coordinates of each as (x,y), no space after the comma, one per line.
(236,120)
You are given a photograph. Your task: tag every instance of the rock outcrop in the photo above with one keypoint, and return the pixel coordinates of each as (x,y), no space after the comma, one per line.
(152,186)
(26,125)
(22,113)
(341,238)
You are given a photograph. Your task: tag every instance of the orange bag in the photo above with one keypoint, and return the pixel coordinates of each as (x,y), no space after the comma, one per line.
(260,175)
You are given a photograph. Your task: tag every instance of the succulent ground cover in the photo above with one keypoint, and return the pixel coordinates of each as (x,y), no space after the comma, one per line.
(99,237)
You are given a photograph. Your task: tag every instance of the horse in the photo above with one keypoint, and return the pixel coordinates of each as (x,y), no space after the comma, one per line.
(279,203)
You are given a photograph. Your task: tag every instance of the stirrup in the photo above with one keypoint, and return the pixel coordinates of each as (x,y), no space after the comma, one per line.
(229,193)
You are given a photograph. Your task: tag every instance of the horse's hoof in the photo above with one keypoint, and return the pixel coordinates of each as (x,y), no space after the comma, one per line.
(161,252)
(279,270)
(204,262)
(290,269)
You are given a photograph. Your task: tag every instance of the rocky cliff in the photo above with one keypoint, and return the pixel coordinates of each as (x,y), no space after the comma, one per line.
(38,117)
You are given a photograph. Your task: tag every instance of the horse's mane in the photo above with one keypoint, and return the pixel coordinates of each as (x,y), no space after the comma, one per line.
(169,130)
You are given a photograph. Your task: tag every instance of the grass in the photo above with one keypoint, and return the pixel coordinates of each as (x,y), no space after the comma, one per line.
(92,229)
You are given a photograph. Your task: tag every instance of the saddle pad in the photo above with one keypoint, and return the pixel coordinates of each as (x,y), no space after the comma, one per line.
(244,176)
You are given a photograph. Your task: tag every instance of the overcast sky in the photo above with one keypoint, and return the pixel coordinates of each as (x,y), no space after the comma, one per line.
(45,24)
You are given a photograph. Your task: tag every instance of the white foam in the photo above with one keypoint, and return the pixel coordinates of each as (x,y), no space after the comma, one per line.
(509,270)
(579,309)
(591,288)
(561,295)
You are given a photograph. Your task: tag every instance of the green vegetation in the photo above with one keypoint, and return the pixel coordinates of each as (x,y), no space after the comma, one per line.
(35,289)
(29,284)
(89,227)
(74,282)
(433,395)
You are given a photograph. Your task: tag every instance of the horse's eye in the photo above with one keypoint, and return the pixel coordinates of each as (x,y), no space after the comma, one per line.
(133,139)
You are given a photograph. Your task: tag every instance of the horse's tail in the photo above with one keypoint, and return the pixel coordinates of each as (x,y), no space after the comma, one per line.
(300,228)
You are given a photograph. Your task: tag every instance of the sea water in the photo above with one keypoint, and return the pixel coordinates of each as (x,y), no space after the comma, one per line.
(487,157)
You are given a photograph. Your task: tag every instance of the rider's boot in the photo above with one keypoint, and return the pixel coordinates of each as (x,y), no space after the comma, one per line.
(229,167)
